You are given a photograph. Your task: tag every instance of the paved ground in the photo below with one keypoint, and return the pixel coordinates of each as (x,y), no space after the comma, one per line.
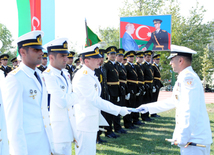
(209,97)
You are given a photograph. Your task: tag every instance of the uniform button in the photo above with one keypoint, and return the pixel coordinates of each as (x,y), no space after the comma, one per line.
(68,109)
(69,117)
(50,124)
(0,129)
(45,126)
(0,140)
(48,106)
(43,117)
(41,107)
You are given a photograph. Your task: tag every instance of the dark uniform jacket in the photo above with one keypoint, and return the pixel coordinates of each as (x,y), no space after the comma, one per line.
(112,76)
(132,78)
(148,75)
(103,82)
(70,70)
(160,40)
(140,76)
(122,79)
(157,77)
(7,70)
(42,68)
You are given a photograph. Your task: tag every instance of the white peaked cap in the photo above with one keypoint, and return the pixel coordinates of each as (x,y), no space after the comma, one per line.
(181,50)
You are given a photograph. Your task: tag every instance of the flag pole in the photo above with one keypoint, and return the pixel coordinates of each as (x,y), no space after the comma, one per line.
(88,44)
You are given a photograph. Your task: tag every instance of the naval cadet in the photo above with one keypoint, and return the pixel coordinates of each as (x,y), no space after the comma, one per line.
(157,80)
(148,79)
(14,62)
(69,66)
(122,88)
(77,62)
(159,38)
(4,67)
(132,84)
(43,66)
(192,121)
(4,145)
(112,76)
(100,73)
(61,98)
(26,113)
(141,87)
(89,103)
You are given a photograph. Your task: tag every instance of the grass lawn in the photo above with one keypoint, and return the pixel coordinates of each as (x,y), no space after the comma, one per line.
(150,138)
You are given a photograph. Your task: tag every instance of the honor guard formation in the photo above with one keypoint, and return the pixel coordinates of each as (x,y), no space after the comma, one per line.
(55,103)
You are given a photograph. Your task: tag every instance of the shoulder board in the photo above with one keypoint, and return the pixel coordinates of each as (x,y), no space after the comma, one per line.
(143,62)
(85,72)
(163,30)
(0,66)
(15,71)
(126,64)
(106,61)
(153,64)
(47,70)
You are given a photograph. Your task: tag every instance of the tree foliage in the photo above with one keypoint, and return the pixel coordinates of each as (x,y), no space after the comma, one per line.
(187,31)
(6,38)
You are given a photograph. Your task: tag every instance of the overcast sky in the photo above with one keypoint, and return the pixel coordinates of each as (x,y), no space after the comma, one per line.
(71,14)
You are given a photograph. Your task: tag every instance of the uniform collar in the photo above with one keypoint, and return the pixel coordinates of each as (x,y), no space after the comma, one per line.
(56,71)
(27,69)
(113,62)
(184,71)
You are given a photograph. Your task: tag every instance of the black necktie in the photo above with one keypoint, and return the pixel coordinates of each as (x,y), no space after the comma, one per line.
(132,66)
(64,77)
(38,78)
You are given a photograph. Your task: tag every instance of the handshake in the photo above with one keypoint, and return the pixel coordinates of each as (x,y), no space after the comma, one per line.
(143,109)
(125,110)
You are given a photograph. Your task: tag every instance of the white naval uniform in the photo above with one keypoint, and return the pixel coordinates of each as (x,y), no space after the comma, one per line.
(192,121)
(27,119)
(62,99)
(87,109)
(4,147)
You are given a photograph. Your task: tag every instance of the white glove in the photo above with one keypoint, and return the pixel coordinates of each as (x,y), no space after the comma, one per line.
(144,92)
(124,111)
(127,97)
(153,89)
(137,94)
(143,109)
(118,99)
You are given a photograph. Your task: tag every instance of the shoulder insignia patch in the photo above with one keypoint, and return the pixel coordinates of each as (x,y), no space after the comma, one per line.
(15,71)
(47,70)
(189,81)
(85,72)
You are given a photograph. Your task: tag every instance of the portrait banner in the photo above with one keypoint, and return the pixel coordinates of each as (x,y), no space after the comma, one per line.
(141,33)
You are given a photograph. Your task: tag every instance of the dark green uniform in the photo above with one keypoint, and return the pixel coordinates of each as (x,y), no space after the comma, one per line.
(42,68)
(70,69)
(148,79)
(132,84)
(6,70)
(112,77)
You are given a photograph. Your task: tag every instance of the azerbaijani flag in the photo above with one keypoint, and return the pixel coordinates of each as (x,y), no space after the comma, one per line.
(37,15)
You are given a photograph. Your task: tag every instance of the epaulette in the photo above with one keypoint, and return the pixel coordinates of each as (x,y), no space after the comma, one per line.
(163,30)
(47,70)
(153,64)
(85,72)
(106,61)
(126,63)
(15,71)
(143,62)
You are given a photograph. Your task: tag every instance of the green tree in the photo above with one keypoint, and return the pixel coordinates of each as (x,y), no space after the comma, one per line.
(6,38)
(110,36)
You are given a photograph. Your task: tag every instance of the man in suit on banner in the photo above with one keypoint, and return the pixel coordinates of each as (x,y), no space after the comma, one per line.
(128,43)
